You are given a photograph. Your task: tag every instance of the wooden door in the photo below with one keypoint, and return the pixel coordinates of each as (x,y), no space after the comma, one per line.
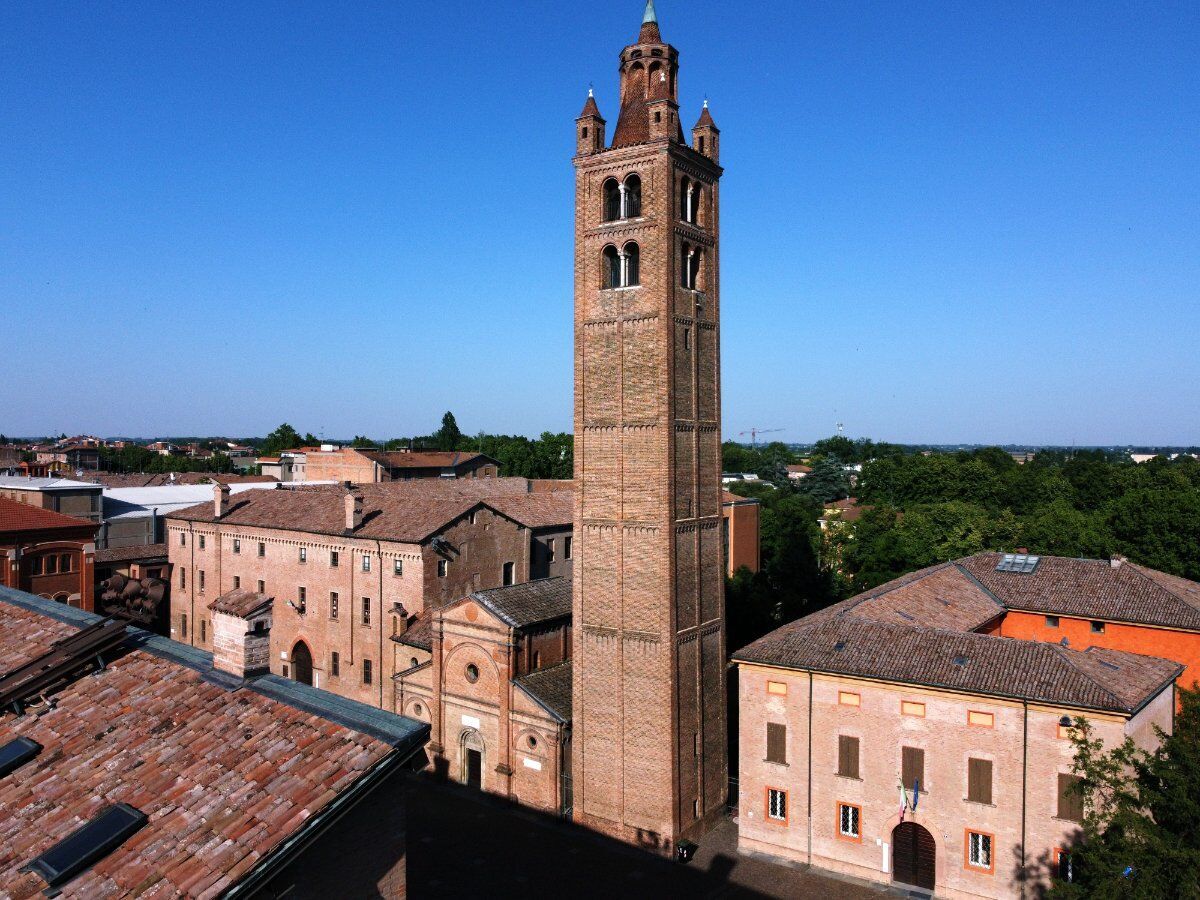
(914,855)
(474,768)
(302,664)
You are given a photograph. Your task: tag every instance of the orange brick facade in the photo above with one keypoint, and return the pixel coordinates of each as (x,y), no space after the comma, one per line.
(649,755)
(1179,645)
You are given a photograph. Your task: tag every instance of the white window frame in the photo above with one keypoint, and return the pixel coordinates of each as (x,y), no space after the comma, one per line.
(777,805)
(979,850)
(855,820)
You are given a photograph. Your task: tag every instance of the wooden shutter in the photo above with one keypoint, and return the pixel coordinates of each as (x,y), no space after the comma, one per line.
(1070,804)
(776,742)
(979,780)
(847,756)
(913,767)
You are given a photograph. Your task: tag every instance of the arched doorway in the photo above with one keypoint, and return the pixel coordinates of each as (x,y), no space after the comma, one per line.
(472,759)
(302,663)
(914,855)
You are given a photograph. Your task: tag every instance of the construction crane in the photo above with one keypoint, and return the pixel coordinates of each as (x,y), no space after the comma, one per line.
(755,432)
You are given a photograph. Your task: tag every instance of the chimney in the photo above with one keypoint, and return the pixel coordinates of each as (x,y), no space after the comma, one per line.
(220,499)
(241,633)
(354,511)
(1115,560)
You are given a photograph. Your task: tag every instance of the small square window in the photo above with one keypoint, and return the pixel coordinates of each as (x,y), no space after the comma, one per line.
(777,687)
(262,549)
(1097,627)
(567,548)
(777,810)
(849,822)
(366,610)
(201,542)
(443,568)
(262,586)
(237,545)
(335,664)
(508,573)
(303,554)
(366,563)
(1051,621)
(237,582)
(849,698)
(366,671)
(333,604)
(398,567)
(912,708)
(182,539)
(981,719)
(333,559)
(979,850)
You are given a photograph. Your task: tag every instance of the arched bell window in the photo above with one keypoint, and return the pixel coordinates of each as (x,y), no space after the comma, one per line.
(685,199)
(612,200)
(633,197)
(611,268)
(632,258)
(689,266)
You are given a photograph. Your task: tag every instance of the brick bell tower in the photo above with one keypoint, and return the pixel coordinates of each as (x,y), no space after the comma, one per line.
(649,734)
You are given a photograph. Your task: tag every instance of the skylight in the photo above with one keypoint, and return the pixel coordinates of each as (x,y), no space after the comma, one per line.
(110,828)
(16,753)
(1021,563)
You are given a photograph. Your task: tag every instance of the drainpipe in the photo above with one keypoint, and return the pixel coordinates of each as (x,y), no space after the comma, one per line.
(1024,781)
(379,552)
(810,729)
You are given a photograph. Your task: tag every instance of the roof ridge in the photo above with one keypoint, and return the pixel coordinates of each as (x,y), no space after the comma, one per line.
(979,584)
(1064,653)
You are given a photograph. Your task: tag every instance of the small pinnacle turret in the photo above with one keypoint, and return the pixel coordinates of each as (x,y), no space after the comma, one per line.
(649,31)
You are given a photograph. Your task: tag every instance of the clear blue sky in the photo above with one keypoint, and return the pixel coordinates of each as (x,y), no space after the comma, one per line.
(941,222)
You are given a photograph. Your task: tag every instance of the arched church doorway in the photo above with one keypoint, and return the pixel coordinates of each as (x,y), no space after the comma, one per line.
(302,663)
(914,855)
(472,759)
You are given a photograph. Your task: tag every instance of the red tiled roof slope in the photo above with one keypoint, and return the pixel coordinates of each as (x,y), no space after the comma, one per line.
(16,516)
(224,778)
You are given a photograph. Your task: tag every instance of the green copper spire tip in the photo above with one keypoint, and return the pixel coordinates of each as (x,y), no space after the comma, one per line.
(649,14)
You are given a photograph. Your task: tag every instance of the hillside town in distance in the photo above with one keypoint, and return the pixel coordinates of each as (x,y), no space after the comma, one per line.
(642,657)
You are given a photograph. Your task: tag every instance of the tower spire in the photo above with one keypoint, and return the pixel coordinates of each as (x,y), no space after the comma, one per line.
(649,32)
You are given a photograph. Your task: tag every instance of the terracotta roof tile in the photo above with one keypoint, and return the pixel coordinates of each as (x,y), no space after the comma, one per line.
(974,663)
(126,554)
(525,604)
(225,777)
(16,516)
(240,602)
(550,688)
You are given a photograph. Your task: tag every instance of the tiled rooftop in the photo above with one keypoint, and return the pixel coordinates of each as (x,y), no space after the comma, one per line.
(126,554)
(399,511)
(551,688)
(226,773)
(974,663)
(525,604)
(16,516)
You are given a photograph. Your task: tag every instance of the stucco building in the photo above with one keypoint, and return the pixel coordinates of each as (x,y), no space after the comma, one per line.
(960,685)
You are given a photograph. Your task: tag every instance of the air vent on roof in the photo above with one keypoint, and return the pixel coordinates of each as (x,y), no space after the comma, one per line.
(902,614)
(110,828)
(1021,563)
(16,753)
(839,646)
(1109,665)
(961,660)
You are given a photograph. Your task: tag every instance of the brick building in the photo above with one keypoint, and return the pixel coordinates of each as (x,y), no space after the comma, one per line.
(492,674)
(966,676)
(47,553)
(349,567)
(363,466)
(649,744)
(740,546)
